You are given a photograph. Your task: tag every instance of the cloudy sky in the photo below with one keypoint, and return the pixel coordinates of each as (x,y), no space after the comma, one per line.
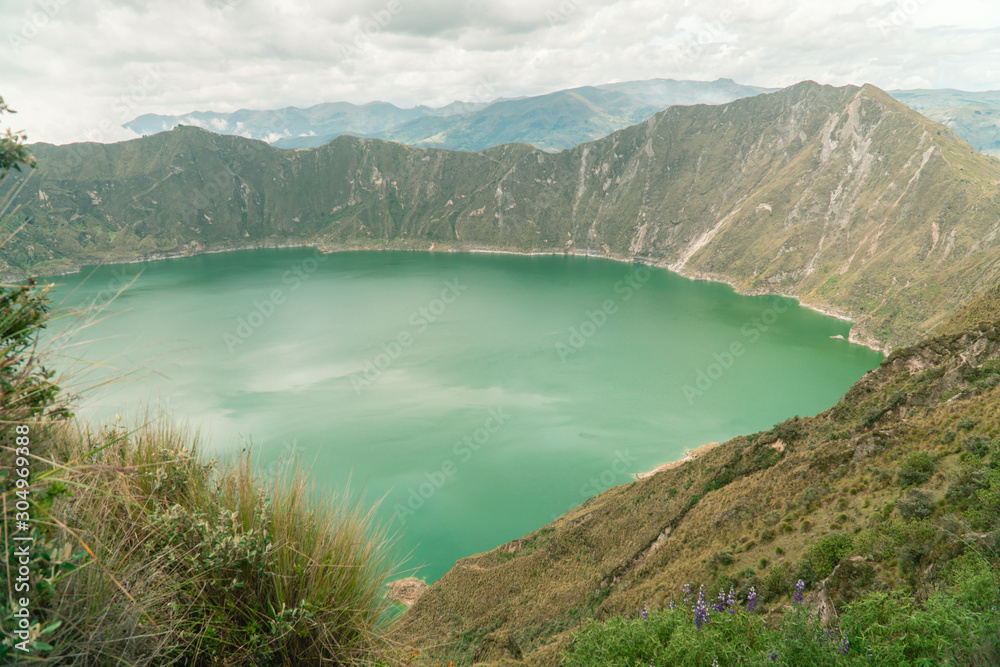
(78,69)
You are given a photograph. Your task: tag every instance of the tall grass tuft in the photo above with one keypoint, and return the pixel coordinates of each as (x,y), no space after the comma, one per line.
(205,565)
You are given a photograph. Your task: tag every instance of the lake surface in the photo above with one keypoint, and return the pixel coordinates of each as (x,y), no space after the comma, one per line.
(482,395)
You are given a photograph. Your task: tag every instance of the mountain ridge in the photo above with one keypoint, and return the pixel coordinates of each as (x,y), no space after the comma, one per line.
(842,197)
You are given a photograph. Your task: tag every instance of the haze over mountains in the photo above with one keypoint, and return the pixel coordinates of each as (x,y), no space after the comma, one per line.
(552,122)
(843,197)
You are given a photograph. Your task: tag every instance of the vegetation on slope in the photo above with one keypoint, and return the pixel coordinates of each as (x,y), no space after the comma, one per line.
(890,493)
(957,625)
(841,196)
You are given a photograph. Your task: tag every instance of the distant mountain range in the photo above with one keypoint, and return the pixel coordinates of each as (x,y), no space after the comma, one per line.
(552,122)
(973,116)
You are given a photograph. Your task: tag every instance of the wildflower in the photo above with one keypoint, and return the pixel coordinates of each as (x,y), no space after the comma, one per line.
(845,647)
(715,661)
(701,612)
(672,605)
(799,587)
(644,613)
(731,601)
(721,604)
(774,656)
(687,593)
(752,599)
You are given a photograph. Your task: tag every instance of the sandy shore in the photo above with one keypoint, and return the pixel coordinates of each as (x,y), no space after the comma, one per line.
(406,590)
(689,455)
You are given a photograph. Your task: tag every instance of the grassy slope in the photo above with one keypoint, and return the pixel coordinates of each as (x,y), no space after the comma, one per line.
(714,519)
(841,196)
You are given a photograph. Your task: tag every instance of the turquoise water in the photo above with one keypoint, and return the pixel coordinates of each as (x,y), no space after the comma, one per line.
(481,395)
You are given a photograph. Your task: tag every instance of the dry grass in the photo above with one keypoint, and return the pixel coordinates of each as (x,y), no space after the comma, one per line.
(193,564)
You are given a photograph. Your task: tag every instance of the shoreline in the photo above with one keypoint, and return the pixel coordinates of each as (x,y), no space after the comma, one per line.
(689,455)
(855,336)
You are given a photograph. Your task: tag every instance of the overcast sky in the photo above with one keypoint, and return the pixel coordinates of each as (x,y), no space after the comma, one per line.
(78,69)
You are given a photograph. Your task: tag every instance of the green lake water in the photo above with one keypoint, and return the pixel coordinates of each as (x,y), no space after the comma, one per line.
(482,395)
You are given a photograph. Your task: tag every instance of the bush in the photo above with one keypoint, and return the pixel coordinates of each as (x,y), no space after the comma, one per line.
(916,469)
(916,505)
(967,423)
(958,625)
(818,562)
(977,445)
(722,559)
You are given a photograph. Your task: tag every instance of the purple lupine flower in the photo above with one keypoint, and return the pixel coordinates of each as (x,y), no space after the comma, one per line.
(752,600)
(844,647)
(731,601)
(672,605)
(644,613)
(799,587)
(701,612)
(720,606)
(687,593)
(774,656)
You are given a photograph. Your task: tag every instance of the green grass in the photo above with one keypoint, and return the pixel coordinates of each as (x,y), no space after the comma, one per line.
(959,624)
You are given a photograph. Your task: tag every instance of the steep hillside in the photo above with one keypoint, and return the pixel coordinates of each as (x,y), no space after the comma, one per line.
(882,491)
(840,196)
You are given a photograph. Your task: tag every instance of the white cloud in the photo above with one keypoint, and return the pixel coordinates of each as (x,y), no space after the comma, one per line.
(80,68)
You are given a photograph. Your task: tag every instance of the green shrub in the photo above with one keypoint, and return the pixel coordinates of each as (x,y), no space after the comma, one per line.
(957,625)
(977,445)
(916,505)
(916,469)
(820,559)
(967,423)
